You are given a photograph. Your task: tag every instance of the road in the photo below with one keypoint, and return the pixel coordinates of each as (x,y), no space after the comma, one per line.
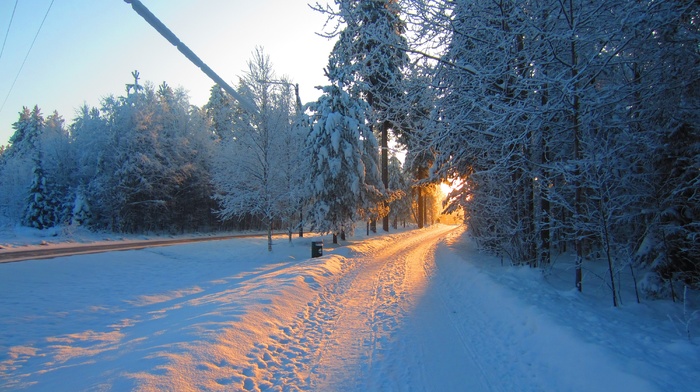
(36,253)
(372,328)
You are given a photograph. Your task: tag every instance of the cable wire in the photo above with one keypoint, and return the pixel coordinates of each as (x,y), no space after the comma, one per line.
(12,17)
(26,56)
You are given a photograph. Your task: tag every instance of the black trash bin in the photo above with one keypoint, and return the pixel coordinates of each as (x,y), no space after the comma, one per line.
(316,248)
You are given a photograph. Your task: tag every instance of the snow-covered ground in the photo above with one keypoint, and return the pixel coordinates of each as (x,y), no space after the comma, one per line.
(416,310)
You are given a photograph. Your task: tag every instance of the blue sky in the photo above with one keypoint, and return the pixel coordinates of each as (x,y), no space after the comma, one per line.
(87,49)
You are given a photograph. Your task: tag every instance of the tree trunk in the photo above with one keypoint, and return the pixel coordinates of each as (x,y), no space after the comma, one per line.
(420,208)
(425,210)
(611,269)
(301,224)
(545,209)
(269,236)
(385,167)
(576,122)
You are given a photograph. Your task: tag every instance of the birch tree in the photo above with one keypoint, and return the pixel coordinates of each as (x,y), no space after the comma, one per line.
(249,169)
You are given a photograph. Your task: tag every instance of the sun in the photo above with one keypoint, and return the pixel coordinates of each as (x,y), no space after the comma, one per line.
(445,188)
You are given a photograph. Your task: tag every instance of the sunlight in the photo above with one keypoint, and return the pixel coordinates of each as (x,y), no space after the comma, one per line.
(450,185)
(446,188)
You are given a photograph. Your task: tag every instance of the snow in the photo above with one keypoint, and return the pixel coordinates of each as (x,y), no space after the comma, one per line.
(334,125)
(414,310)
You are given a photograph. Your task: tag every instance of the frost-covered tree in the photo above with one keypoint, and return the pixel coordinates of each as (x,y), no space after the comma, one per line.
(18,162)
(371,52)
(340,163)
(148,152)
(41,206)
(24,142)
(59,164)
(92,155)
(220,110)
(138,185)
(558,114)
(292,169)
(80,213)
(400,189)
(251,170)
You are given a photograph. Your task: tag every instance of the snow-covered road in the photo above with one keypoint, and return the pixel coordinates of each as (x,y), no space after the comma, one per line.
(401,312)
(382,333)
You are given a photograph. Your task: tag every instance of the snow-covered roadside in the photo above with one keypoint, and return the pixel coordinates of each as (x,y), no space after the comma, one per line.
(116,320)
(564,339)
(229,315)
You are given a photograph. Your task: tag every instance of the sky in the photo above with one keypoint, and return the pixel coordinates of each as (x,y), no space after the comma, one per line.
(87,49)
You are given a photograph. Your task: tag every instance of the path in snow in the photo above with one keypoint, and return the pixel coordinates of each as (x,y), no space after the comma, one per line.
(370,328)
(384,335)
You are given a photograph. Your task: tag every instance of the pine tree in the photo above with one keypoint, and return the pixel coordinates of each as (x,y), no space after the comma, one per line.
(400,190)
(24,142)
(80,213)
(371,53)
(342,155)
(17,163)
(41,204)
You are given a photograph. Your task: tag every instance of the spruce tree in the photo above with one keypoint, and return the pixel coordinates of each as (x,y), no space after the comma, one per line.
(371,53)
(342,151)
(41,204)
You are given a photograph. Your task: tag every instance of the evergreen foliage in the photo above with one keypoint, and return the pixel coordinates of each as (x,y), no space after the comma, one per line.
(344,179)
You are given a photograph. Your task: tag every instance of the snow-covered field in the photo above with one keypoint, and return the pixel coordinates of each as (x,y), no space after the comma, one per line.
(416,310)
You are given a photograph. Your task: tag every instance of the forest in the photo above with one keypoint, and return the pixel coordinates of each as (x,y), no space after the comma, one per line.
(566,127)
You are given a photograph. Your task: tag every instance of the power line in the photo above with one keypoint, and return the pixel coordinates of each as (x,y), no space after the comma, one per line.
(26,56)
(12,17)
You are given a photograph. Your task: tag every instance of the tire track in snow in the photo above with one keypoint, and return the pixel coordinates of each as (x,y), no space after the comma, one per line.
(360,331)
(361,352)
(481,336)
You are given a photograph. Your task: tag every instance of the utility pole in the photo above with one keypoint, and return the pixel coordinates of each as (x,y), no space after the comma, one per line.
(172,38)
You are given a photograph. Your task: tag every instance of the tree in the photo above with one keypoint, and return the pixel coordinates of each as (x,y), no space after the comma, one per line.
(90,142)
(341,148)
(252,169)
(371,51)
(18,163)
(41,206)
(24,142)
(220,111)
(666,106)
(400,189)
(58,164)
(153,175)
